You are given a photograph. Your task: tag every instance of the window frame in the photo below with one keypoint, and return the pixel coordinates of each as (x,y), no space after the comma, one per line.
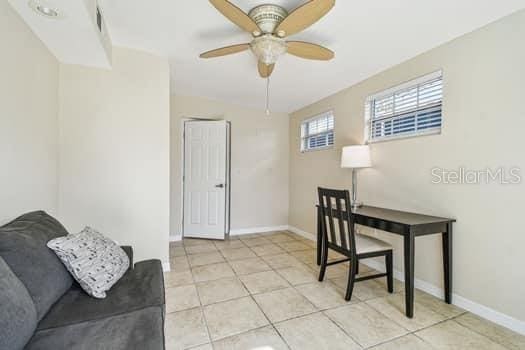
(399,88)
(305,122)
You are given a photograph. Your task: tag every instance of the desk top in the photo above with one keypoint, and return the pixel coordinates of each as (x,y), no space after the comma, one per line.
(400,217)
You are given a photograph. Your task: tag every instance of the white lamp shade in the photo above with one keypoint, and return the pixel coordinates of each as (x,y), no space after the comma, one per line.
(356,157)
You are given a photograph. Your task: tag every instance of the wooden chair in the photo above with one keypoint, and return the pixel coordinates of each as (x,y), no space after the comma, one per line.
(339,235)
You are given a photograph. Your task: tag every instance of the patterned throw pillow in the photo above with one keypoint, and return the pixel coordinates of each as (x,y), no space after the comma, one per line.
(95,261)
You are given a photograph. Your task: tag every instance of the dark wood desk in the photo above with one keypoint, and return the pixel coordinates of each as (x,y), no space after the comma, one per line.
(410,226)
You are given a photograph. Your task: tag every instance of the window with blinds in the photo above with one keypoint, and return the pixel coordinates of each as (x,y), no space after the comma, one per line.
(317,132)
(410,109)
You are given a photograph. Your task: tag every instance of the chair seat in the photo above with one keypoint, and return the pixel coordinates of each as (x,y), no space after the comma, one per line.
(366,244)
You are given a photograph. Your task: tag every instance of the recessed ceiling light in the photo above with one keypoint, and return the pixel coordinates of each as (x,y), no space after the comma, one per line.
(47,11)
(44,9)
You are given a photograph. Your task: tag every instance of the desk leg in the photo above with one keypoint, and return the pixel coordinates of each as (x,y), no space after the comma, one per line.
(409,249)
(447,262)
(319,237)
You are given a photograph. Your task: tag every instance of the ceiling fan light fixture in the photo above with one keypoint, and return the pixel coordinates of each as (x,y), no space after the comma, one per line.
(268,17)
(268,48)
(269,24)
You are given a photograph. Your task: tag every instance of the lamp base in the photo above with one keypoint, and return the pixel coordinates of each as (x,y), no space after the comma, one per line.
(356,205)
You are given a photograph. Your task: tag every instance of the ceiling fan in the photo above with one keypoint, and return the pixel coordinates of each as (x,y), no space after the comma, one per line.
(269,25)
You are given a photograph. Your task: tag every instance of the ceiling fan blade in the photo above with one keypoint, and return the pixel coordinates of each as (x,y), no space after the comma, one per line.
(236,15)
(265,70)
(223,51)
(309,51)
(304,16)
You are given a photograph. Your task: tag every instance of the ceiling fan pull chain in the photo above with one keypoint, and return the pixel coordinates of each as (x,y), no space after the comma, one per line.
(268,96)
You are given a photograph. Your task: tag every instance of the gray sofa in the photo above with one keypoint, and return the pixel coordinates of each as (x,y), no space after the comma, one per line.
(42,307)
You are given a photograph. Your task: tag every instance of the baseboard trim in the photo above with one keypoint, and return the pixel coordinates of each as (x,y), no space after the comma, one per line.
(302,233)
(166,267)
(497,317)
(245,231)
(462,302)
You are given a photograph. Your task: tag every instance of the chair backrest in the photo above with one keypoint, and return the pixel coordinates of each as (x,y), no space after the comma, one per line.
(337,220)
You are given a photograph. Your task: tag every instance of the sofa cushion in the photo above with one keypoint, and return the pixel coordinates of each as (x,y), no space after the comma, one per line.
(95,262)
(23,247)
(130,317)
(136,330)
(139,288)
(17,311)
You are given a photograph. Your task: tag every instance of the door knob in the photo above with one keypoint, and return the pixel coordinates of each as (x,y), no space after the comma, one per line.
(219,185)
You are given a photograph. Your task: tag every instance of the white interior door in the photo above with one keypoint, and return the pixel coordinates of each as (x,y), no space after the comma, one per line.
(205,175)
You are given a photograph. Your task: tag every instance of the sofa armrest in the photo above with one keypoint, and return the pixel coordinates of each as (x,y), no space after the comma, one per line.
(152,275)
(129,251)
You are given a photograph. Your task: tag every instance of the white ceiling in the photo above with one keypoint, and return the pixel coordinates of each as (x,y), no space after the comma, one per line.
(73,38)
(367,36)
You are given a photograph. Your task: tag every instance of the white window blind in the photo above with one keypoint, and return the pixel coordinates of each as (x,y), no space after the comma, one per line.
(409,109)
(317,132)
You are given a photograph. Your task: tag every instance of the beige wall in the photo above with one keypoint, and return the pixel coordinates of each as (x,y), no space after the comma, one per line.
(28,120)
(483,123)
(259,157)
(114,151)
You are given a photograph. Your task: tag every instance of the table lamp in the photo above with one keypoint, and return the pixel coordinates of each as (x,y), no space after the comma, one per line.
(355,157)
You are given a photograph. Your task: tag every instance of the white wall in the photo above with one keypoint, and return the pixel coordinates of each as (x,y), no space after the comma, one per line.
(28,120)
(483,123)
(114,151)
(259,162)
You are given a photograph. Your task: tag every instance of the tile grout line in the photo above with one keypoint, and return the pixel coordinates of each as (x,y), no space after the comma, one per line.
(272,324)
(475,331)
(255,302)
(365,302)
(281,336)
(318,310)
(308,314)
(204,316)
(323,313)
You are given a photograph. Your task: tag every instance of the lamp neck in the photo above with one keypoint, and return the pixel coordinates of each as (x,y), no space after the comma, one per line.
(354,185)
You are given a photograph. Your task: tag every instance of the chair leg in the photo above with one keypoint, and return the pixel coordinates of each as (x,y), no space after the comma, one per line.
(351,279)
(389,272)
(324,259)
(357,266)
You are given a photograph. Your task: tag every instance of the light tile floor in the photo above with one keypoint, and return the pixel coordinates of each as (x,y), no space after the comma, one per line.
(260,291)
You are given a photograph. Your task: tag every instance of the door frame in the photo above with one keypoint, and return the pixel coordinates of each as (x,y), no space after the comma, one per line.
(184,120)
